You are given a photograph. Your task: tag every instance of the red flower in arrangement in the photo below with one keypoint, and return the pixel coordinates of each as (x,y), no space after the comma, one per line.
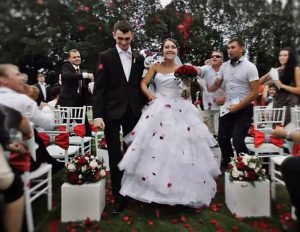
(103,144)
(245,167)
(84,169)
(186,71)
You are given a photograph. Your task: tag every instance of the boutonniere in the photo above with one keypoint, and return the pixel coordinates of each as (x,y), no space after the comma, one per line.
(135,56)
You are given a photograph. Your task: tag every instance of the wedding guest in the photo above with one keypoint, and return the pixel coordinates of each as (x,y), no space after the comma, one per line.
(169,160)
(212,100)
(290,169)
(44,89)
(240,77)
(74,87)
(118,99)
(55,91)
(288,83)
(13,194)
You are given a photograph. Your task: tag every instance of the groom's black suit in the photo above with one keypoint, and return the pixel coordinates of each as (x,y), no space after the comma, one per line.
(119,103)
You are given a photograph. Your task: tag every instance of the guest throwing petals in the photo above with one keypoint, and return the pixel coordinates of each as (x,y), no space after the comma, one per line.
(169,160)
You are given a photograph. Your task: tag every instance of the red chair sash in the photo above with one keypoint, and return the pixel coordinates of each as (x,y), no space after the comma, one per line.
(20,162)
(296,150)
(61,139)
(260,138)
(79,130)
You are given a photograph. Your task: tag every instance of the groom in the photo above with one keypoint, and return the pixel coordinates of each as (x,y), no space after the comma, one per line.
(118,99)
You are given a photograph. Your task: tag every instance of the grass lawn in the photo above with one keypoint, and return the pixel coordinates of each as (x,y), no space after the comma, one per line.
(152,217)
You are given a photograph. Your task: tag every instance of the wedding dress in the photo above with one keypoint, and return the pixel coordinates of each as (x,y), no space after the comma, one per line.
(169,160)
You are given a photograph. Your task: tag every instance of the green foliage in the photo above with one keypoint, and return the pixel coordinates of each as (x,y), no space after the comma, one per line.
(38,33)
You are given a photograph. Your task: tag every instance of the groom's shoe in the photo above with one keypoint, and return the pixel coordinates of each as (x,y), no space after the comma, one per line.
(119,206)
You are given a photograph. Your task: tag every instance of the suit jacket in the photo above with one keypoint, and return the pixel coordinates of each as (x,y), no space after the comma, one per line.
(112,92)
(41,95)
(69,89)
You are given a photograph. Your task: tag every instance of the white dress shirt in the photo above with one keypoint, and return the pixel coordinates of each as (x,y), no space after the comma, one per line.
(43,118)
(126,60)
(43,88)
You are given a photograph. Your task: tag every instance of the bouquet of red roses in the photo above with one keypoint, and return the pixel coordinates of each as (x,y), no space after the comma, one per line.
(185,71)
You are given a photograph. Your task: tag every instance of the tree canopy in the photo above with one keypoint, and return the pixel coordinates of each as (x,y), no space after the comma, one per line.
(38,33)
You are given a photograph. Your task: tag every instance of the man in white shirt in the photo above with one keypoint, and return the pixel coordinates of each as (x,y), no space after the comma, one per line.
(11,88)
(240,77)
(212,100)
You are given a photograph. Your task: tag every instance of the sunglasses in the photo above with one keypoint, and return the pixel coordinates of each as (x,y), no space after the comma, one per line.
(216,56)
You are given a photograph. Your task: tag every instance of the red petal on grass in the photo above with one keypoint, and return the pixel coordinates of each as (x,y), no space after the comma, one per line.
(214,207)
(183,218)
(150,222)
(174,221)
(213,221)
(126,218)
(134,230)
(88,222)
(235,228)
(186,225)
(54,226)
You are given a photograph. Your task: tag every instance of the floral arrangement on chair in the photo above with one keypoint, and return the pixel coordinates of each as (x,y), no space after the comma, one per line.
(245,167)
(84,169)
(183,73)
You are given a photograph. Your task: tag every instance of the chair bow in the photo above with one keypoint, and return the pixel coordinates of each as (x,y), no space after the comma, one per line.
(260,138)
(61,140)
(296,150)
(20,162)
(79,130)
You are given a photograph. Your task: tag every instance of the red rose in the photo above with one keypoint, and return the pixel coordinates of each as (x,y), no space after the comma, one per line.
(251,175)
(239,158)
(73,178)
(82,160)
(240,165)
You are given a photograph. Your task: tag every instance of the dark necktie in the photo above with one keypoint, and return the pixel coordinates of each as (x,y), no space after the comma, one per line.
(79,83)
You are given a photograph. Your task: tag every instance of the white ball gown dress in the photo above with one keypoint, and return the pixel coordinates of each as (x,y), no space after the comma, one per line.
(169,160)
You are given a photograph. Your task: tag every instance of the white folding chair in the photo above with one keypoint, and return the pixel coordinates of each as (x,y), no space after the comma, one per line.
(77,117)
(60,153)
(37,183)
(264,120)
(89,113)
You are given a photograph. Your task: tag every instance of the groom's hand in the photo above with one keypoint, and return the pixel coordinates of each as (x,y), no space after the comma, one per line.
(99,123)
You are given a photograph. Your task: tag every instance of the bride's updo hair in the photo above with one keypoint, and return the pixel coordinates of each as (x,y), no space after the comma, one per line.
(169,39)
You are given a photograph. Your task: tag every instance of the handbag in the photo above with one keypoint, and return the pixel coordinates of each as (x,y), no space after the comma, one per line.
(6,174)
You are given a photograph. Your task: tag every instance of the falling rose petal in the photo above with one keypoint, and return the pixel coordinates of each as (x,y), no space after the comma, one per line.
(160,124)
(40,2)
(183,218)
(168,106)
(235,228)
(81,28)
(147,116)
(169,185)
(150,222)
(188,128)
(174,221)
(153,134)
(143,178)
(132,132)
(161,137)
(157,213)
(100,66)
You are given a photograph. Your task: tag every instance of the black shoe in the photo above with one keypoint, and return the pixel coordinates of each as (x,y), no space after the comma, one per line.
(119,207)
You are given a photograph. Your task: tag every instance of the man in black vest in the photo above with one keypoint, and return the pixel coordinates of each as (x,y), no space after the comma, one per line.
(118,99)
(45,92)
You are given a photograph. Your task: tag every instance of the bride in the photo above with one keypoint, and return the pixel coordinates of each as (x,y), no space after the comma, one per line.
(169,160)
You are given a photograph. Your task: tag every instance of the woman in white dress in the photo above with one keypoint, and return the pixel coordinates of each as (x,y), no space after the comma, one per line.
(169,160)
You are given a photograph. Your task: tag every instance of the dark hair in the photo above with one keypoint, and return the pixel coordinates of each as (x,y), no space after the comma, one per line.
(55,90)
(123,26)
(273,85)
(169,39)
(239,41)
(288,74)
(72,50)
